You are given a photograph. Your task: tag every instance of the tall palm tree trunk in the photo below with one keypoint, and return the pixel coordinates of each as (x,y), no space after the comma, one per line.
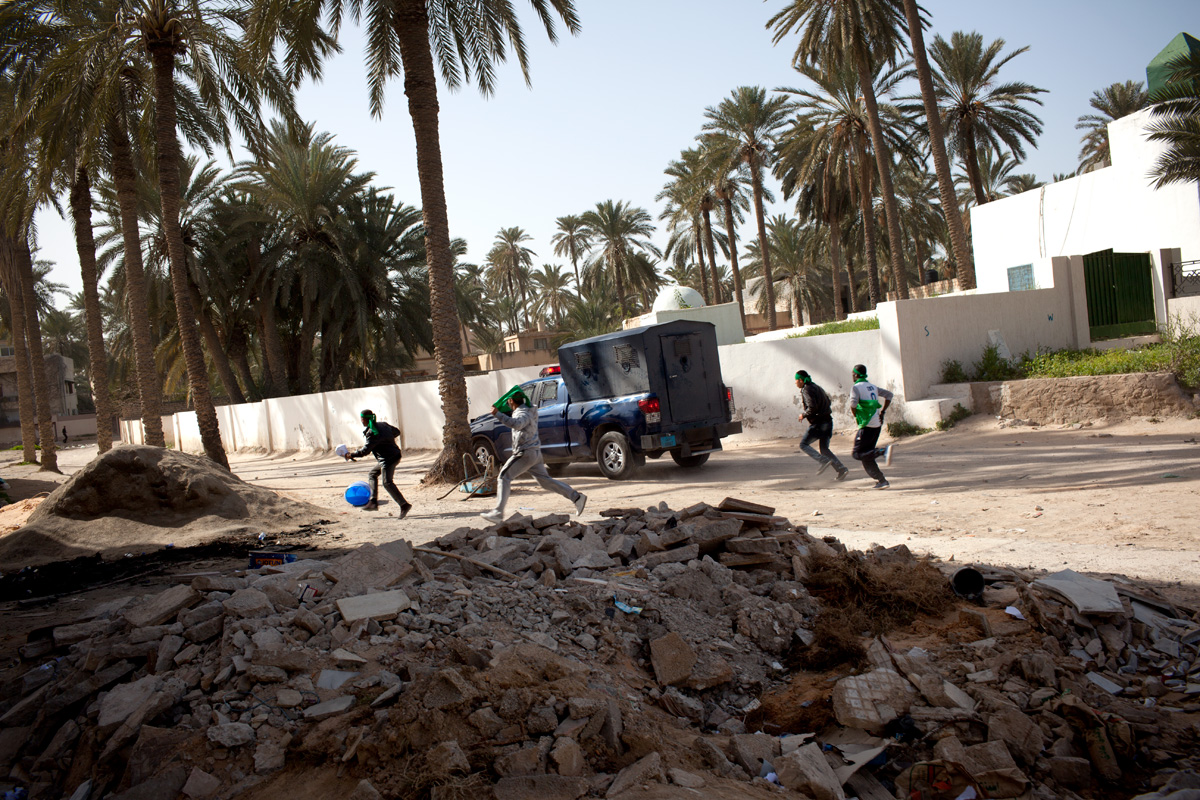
(851,289)
(763,247)
(149,383)
(865,193)
(216,347)
(575,266)
(712,257)
(274,353)
(703,272)
(619,268)
(85,245)
(25,405)
(971,156)
(835,254)
(883,161)
(733,262)
(37,359)
(937,139)
(239,346)
(162,58)
(420,87)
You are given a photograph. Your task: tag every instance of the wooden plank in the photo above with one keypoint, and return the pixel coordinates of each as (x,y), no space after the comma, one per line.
(733,504)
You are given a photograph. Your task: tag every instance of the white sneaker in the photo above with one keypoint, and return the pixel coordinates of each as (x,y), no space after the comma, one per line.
(493,516)
(887,455)
(580,502)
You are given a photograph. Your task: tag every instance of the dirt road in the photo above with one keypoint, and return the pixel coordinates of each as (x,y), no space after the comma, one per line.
(1121,498)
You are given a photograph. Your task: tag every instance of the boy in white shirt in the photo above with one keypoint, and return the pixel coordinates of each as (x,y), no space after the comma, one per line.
(868,411)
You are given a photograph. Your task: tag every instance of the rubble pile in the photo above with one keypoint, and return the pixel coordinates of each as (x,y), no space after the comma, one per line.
(139,497)
(549,658)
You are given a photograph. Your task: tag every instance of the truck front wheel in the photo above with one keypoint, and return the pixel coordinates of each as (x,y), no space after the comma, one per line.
(484,452)
(615,456)
(689,462)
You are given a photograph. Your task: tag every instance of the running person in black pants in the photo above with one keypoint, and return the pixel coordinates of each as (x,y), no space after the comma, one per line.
(819,413)
(381,442)
(864,402)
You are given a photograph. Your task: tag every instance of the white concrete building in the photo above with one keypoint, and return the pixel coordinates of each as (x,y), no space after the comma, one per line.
(1115,208)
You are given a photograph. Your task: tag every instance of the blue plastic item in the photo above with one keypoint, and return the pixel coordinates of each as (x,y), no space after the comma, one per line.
(358,494)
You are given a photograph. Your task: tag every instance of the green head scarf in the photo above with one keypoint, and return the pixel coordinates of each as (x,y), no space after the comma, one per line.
(368,419)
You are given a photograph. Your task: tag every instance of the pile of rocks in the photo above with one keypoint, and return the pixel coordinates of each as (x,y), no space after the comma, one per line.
(552,658)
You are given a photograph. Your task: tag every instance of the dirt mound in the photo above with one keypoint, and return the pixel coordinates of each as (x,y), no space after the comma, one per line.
(134,498)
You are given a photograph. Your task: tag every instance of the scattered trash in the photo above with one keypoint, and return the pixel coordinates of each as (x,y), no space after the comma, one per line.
(967,583)
(1171,475)
(259,558)
(628,609)
(1013,611)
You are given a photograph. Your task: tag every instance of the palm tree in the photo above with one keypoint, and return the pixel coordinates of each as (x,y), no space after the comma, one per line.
(1023,182)
(742,129)
(831,135)
(685,197)
(729,187)
(618,230)
(978,111)
(937,143)
(863,35)
(1113,102)
(510,261)
(402,37)
(571,241)
(1177,122)
(552,294)
(795,251)
(996,177)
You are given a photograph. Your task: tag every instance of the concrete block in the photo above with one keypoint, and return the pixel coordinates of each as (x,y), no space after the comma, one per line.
(124,699)
(368,567)
(678,555)
(1022,735)
(231,734)
(200,785)
(759,545)
(751,749)
(568,757)
(672,658)
(806,770)
(248,604)
(379,606)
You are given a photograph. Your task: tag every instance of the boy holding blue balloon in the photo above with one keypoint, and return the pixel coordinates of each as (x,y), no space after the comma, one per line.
(381,443)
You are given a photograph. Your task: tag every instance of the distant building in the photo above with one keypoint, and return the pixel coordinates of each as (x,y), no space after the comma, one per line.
(524,349)
(60,376)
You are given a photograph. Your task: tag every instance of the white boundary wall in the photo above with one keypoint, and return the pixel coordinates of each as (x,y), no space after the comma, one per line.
(905,355)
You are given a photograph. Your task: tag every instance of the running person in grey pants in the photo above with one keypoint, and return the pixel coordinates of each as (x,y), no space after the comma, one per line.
(526,457)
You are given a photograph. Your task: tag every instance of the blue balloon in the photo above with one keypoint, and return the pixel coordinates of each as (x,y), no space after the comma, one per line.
(358,494)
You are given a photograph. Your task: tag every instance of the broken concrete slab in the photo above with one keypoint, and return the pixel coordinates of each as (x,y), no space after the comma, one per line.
(248,604)
(678,555)
(330,707)
(751,749)
(379,606)
(231,734)
(1087,595)
(368,567)
(646,770)
(162,606)
(672,658)
(124,699)
(200,785)
(871,700)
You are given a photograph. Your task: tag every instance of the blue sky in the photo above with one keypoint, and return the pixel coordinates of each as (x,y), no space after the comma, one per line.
(609,109)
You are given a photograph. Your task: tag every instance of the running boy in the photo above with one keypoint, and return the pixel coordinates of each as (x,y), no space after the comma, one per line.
(526,457)
(819,413)
(864,402)
(381,442)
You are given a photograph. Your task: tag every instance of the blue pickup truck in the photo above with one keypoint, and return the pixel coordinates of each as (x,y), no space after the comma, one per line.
(624,397)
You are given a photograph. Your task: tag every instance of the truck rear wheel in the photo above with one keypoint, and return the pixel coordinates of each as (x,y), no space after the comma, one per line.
(615,456)
(483,452)
(689,462)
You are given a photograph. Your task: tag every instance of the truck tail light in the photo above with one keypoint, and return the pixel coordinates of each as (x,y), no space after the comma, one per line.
(651,408)
(729,400)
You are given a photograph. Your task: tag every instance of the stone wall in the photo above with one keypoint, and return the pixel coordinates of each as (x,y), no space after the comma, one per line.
(1079,399)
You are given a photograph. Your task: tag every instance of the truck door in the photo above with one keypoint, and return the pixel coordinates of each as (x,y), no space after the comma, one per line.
(552,420)
(689,398)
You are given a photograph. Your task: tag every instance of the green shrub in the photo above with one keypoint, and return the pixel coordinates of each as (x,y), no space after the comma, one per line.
(900,429)
(994,367)
(1181,341)
(953,372)
(957,415)
(845,326)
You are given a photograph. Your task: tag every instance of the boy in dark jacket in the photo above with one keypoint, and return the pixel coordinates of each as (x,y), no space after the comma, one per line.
(819,413)
(381,442)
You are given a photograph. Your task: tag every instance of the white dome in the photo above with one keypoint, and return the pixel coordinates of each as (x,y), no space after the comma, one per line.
(673,298)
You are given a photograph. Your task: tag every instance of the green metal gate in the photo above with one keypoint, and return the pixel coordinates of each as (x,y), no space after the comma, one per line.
(1120,295)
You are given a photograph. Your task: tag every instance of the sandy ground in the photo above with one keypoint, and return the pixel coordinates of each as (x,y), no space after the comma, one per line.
(1118,498)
